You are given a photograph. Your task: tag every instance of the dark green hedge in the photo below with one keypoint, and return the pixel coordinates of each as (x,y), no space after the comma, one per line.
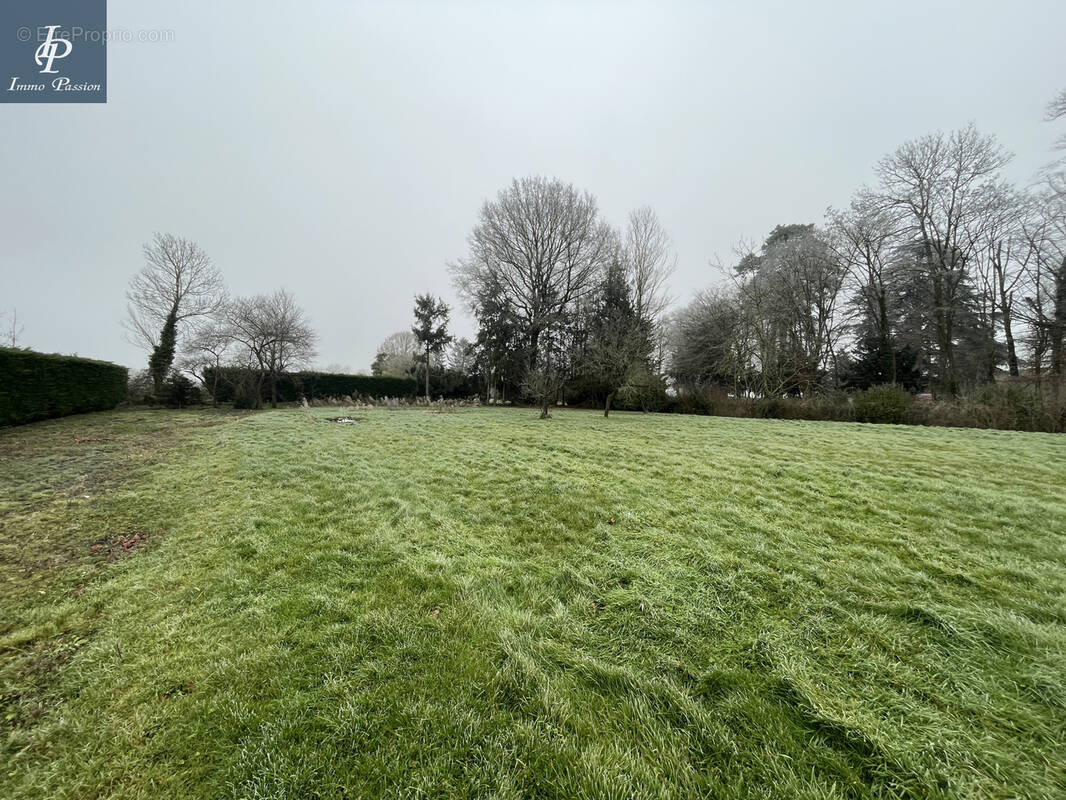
(293,385)
(37,386)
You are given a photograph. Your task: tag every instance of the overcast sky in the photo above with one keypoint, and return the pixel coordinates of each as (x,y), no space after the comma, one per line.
(342,150)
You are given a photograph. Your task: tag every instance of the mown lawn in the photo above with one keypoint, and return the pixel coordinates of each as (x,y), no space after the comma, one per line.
(479,604)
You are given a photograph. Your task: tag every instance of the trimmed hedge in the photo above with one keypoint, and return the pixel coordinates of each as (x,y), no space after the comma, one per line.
(293,385)
(37,386)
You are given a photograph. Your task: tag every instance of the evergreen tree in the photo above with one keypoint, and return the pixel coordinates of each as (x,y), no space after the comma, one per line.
(431,329)
(619,342)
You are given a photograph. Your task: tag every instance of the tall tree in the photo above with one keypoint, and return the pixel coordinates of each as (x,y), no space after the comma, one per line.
(942,186)
(649,263)
(864,238)
(499,345)
(541,246)
(789,294)
(1045,302)
(178,283)
(430,329)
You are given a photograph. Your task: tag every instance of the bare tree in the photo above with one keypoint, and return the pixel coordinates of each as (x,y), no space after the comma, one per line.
(178,283)
(863,239)
(649,263)
(336,368)
(1002,266)
(207,349)
(712,343)
(941,185)
(1056,110)
(1045,304)
(276,337)
(461,356)
(13,331)
(396,355)
(540,245)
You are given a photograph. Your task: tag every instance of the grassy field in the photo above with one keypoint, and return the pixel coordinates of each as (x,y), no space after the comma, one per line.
(479,604)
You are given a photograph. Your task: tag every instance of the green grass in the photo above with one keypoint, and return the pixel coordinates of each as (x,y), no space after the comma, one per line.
(480,604)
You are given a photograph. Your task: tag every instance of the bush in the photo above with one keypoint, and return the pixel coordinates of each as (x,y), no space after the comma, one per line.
(179,392)
(887,405)
(772,408)
(36,386)
(831,406)
(139,387)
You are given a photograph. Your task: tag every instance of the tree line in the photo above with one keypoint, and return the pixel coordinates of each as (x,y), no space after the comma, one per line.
(940,276)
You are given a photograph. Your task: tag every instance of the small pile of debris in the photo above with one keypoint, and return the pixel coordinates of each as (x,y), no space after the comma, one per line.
(347,420)
(119,545)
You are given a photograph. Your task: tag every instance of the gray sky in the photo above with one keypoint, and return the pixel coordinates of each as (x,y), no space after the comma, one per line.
(342,150)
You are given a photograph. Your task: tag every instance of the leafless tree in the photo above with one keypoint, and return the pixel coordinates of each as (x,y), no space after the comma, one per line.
(206,351)
(789,306)
(13,331)
(401,343)
(713,343)
(1056,110)
(1045,302)
(941,186)
(461,356)
(276,337)
(541,245)
(397,355)
(863,238)
(649,263)
(336,368)
(1002,265)
(178,283)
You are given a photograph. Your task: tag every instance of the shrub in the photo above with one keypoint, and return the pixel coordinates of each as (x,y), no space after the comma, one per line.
(139,387)
(692,401)
(37,386)
(883,404)
(834,406)
(771,408)
(1014,406)
(179,392)
(1005,406)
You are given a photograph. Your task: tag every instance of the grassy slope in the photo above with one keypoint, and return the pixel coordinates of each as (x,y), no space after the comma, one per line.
(479,604)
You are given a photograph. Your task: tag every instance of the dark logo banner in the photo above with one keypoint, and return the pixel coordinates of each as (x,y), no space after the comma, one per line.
(53,51)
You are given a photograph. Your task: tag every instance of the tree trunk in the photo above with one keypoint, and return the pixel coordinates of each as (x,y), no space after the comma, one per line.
(1012,352)
(427,373)
(1058,323)
(544,410)
(1057,333)
(273,390)
(607,405)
